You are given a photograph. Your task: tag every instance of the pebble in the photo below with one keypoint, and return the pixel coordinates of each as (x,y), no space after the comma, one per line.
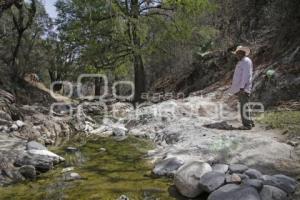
(71,149)
(123,197)
(68,169)
(72,176)
(102,149)
(234,178)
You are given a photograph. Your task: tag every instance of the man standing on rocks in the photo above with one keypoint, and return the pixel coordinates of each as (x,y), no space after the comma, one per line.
(242,84)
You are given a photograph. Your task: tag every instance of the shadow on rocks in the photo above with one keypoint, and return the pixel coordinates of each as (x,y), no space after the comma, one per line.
(220,126)
(175,194)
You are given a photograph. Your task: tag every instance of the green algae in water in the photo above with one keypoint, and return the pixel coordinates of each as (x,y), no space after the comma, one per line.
(121,169)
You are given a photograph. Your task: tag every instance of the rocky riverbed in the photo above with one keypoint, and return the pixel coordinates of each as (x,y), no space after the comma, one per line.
(183,143)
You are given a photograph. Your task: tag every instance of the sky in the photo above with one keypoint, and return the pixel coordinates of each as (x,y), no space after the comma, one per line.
(50,8)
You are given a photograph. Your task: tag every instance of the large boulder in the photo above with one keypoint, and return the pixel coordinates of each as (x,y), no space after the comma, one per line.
(282,182)
(235,193)
(41,163)
(211,181)
(42,160)
(272,193)
(257,184)
(187,178)
(167,167)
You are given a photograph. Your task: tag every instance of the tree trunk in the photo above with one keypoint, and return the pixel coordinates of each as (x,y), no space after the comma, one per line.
(139,74)
(139,78)
(54,76)
(6,4)
(15,55)
(97,87)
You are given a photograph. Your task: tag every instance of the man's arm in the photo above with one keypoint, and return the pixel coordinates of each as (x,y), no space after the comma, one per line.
(245,75)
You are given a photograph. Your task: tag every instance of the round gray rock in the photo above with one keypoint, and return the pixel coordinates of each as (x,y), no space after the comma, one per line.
(239,193)
(253,174)
(238,168)
(257,184)
(272,193)
(282,182)
(222,168)
(188,176)
(28,172)
(211,181)
(243,176)
(167,167)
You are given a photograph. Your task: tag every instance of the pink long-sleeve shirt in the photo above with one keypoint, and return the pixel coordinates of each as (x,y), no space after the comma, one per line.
(242,78)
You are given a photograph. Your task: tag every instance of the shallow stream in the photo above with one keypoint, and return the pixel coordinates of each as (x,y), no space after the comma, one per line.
(109,168)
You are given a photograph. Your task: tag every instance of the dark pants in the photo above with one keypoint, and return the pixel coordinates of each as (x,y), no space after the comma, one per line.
(244,98)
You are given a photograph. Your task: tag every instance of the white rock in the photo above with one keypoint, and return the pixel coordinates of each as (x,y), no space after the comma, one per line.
(68,169)
(72,176)
(123,197)
(106,134)
(20,123)
(88,128)
(14,127)
(188,176)
(52,156)
(99,130)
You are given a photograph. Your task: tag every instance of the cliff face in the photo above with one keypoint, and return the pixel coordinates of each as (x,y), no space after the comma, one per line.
(271,29)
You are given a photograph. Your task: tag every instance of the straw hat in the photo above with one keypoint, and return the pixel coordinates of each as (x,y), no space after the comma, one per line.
(244,49)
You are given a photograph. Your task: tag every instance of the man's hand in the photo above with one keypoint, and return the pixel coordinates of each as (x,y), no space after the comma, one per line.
(242,91)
